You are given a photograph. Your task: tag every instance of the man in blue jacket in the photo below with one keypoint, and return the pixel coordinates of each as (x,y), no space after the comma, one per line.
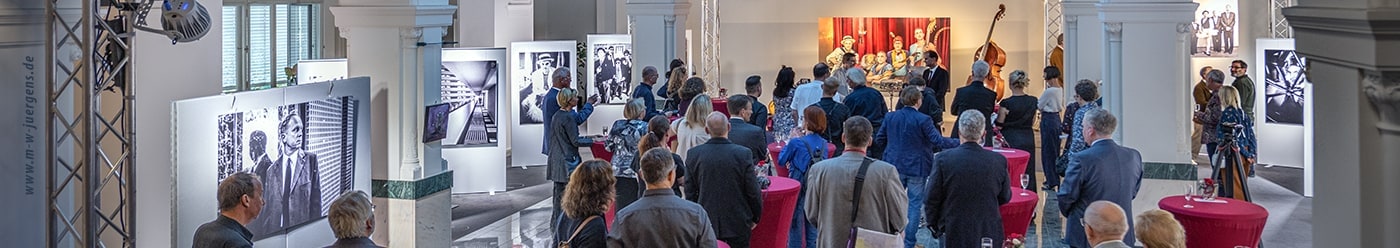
(911,139)
(559,80)
(1105,171)
(643,91)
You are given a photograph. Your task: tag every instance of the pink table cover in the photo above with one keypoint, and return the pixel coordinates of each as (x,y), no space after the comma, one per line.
(1016,214)
(1015,163)
(1214,224)
(779,201)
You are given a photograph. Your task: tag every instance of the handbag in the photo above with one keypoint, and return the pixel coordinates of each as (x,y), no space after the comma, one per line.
(579,229)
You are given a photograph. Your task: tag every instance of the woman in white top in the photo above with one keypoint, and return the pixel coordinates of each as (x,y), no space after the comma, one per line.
(690,130)
(1052,102)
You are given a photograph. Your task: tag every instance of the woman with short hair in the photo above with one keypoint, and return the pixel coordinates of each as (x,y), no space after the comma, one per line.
(1159,229)
(622,141)
(588,195)
(563,143)
(798,156)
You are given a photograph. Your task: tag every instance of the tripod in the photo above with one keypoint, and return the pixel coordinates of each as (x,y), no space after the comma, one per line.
(1228,165)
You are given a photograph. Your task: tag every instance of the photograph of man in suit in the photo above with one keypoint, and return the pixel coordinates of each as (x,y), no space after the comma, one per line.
(272,214)
(300,169)
(1226,29)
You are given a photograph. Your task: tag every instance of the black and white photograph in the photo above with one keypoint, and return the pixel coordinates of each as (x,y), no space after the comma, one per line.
(470,88)
(534,70)
(611,69)
(1285,77)
(304,153)
(1215,28)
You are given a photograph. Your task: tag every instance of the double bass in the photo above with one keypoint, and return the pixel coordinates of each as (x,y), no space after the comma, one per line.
(994,56)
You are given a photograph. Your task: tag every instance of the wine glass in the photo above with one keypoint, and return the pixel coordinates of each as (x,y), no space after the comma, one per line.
(987,242)
(1025,183)
(1190,190)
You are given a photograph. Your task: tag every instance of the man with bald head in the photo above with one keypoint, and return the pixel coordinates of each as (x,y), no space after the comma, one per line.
(1105,224)
(722,180)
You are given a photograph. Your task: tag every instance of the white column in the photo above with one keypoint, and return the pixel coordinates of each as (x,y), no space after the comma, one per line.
(658,32)
(398,45)
(1083,43)
(1351,46)
(1143,55)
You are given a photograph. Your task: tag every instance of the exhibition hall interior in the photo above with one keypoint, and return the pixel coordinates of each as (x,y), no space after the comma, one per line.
(700,123)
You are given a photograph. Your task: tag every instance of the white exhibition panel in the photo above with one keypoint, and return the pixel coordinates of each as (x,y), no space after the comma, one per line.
(196,151)
(1281,144)
(527,140)
(604,114)
(481,168)
(25,111)
(322,70)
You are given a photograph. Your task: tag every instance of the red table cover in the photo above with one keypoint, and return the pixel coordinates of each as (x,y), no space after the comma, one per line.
(600,151)
(721,105)
(779,201)
(776,148)
(1016,214)
(722,244)
(1208,224)
(1015,163)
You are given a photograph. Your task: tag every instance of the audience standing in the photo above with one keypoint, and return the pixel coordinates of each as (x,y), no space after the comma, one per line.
(1050,104)
(672,89)
(836,113)
(643,91)
(928,105)
(854,191)
(690,129)
(1158,229)
(240,201)
(661,218)
(1232,115)
(798,156)
(867,102)
(975,96)
(1106,226)
(743,133)
(1210,116)
(1015,117)
(658,131)
(1085,94)
(967,187)
(936,78)
(589,193)
(693,87)
(623,140)
(560,79)
(563,143)
(724,183)
(912,139)
(1240,70)
(1201,95)
(810,93)
(759,116)
(352,219)
(784,115)
(1105,171)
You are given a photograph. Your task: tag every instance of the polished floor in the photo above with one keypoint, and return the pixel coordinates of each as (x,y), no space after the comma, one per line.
(518,218)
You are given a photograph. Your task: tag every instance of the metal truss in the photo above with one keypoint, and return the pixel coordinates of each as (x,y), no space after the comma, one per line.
(1278,25)
(91,138)
(709,44)
(1054,25)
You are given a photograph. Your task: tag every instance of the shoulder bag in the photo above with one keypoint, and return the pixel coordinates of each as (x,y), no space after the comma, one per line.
(579,229)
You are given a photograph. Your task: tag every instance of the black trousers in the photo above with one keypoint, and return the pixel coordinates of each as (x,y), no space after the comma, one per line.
(737,242)
(1050,147)
(1023,139)
(558,195)
(628,191)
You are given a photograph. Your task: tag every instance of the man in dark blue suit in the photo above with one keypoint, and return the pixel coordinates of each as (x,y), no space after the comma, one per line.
(643,91)
(722,181)
(744,133)
(866,102)
(975,96)
(912,139)
(1105,171)
(560,79)
(966,189)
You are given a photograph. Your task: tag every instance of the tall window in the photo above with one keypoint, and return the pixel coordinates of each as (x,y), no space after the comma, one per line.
(261,39)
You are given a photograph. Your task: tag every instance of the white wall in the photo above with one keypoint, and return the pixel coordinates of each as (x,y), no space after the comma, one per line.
(164,73)
(758,36)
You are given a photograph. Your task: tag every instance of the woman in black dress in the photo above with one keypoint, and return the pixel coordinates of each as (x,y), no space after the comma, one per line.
(1015,117)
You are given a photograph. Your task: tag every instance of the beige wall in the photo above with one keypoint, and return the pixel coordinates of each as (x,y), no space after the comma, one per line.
(758,36)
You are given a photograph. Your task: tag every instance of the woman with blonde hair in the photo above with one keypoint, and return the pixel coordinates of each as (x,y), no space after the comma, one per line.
(588,195)
(623,141)
(1159,229)
(1235,136)
(563,142)
(1015,116)
(690,129)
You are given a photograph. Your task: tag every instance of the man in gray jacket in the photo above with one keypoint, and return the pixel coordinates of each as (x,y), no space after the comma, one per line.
(831,183)
(660,218)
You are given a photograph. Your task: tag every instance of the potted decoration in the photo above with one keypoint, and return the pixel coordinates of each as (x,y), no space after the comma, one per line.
(1015,240)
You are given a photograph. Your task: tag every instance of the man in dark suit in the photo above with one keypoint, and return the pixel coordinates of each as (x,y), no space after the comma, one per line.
(975,96)
(836,113)
(643,91)
(240,201)
(867,102)
(742,132)
(966,188)
(1105,171)
(912,140)
(928,104)
(759,113)
(301,173)
(721,179)
(936,78)
(272,183)
(560,80)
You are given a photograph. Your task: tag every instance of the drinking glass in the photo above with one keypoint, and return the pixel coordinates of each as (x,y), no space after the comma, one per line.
(986,242)
(1190,192)
(1025,183)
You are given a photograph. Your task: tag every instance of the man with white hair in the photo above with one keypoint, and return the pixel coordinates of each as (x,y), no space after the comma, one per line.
(961,209)
(1105,224)
(352,219)
(866,102)
(1105,171)
(975,96)
(561,79)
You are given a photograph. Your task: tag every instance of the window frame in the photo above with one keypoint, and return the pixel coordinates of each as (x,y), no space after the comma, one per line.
(243,46)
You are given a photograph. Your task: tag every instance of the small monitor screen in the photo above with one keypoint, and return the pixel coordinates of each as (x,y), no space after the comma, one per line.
(435,122)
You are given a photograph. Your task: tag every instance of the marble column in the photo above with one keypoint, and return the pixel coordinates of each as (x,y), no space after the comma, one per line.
(658,33)
(1352,48)
(1144,66)
(398,44)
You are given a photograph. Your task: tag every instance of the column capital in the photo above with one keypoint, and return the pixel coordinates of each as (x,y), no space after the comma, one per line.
(1183,27)
(1382,88)
(1114,30)
(658,8)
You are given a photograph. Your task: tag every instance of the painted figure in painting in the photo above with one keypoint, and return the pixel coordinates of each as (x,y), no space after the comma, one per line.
(848,44)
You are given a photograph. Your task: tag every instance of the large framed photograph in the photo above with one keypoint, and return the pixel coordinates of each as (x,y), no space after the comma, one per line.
(1215,28)
(307,143)
(610,68)
(1281,72)
(883,44)
(470,82)
(533,64)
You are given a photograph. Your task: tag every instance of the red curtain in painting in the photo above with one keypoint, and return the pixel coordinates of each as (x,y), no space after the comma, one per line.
(877,34)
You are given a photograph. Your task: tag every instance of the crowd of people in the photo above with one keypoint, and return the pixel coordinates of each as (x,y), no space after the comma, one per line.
(685,175)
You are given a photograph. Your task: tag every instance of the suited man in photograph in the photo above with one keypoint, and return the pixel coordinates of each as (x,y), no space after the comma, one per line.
(966,189)
(1105,171)
(975,96)
(1226,27)
(743,133)
(301,170)
(722,181)
(272,183)
(936,78)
